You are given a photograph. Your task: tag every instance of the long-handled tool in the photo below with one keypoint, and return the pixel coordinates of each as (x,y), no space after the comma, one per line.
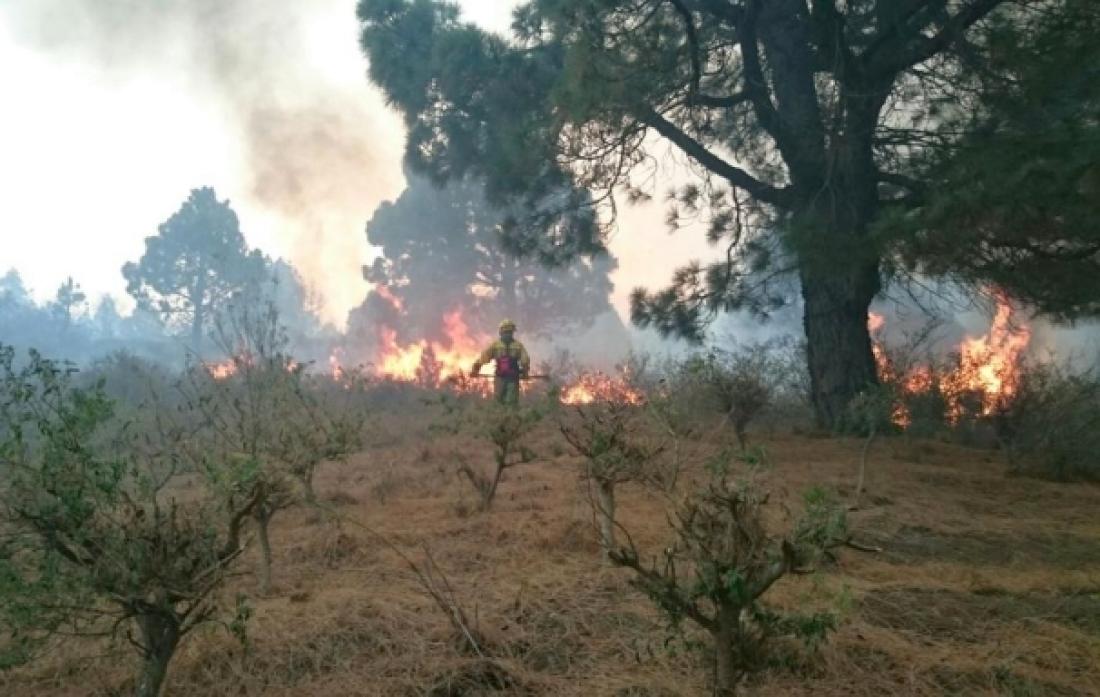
(523,377)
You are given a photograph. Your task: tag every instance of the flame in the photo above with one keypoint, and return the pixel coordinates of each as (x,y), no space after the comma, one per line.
(433,364)
(444,364)
(430,362)
(989,365)
(597,386)
(221,370)
(336,365)
(985,375)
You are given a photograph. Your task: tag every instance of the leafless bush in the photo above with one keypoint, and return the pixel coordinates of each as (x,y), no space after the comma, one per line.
(1051,426)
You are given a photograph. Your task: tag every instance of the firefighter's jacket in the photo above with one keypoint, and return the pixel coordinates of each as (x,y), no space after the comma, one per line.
(511,359)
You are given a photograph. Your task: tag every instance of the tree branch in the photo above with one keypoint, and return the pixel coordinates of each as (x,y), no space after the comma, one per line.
(891,57)
(755,84)
(918,188)
(694,97)
(731,173)
(831,39)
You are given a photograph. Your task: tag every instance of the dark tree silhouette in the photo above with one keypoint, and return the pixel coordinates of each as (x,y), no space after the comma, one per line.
(442,250)
(197,262)
(809,124)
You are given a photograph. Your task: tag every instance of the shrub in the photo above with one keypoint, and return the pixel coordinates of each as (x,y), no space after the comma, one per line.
(740,384)
(614,451)
(504,427)
(1051,427)
(94,542)
(721,563)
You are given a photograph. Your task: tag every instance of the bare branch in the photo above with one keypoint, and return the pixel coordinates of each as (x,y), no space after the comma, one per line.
(734,175)
(892,56)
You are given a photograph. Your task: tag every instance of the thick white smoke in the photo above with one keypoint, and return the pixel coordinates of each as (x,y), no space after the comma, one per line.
(317,149)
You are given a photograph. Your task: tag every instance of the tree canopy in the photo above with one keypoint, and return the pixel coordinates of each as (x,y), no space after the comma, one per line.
(442,251)
(812,128)
(197,261)
(1016,201)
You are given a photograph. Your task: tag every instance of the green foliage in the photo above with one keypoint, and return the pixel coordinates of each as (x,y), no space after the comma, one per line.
(475,109)
(504,427)
(68,300)
(196,263)
(93,543)
(722,562)
(264,426)
(741,384)
(871,412)
(952,129)
(1015,201)
(611,439)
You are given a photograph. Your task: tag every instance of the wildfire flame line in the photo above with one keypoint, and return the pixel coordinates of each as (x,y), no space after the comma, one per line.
(986,371)
(444,364)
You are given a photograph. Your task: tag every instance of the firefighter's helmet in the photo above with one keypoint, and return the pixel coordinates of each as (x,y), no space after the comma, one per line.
(507,326)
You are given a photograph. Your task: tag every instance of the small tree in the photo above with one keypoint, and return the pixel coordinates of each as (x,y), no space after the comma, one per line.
(614,453)
(95,545)
(68,302)
(241,406)
(310,429)
(722,562)
(737,384)
(505,428)
(870,414)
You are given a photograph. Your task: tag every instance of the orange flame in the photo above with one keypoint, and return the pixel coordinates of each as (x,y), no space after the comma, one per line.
(221,370)
(600,387)
(986,370)
(444,364)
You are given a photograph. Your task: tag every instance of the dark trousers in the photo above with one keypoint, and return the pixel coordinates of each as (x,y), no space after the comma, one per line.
(506,390)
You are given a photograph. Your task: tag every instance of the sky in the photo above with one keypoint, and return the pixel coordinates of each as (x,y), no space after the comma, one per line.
(115,109)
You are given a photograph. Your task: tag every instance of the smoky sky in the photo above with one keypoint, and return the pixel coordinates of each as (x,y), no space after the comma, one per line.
(318,149)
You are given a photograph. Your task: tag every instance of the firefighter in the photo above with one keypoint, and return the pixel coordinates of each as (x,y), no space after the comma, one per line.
(512,363)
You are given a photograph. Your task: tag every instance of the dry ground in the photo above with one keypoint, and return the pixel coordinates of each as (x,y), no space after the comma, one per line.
(987,584)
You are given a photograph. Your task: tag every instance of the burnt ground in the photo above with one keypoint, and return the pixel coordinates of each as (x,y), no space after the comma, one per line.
(987,584)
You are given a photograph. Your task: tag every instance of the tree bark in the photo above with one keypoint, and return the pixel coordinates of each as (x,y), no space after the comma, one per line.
(838,343)
(263,520)
(160,634)
(725,664)
(605,499)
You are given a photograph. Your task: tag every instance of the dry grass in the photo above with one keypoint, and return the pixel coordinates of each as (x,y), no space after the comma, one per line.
(988,584)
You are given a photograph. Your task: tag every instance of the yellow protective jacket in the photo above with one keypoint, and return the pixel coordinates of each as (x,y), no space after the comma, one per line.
(502,353)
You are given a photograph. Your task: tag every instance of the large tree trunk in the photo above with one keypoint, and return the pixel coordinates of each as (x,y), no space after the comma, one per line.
(160,635)
(838,343)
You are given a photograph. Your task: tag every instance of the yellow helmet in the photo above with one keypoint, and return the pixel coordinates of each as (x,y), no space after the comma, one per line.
(507,326)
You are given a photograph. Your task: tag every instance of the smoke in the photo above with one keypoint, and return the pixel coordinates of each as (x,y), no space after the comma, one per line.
(318,151)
